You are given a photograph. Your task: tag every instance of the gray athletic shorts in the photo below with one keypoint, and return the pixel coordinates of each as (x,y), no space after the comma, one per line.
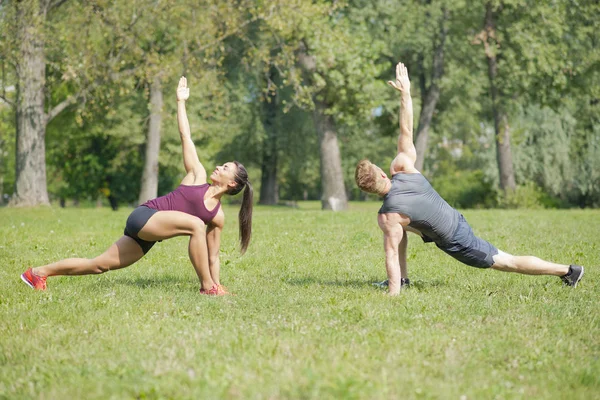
(468,248)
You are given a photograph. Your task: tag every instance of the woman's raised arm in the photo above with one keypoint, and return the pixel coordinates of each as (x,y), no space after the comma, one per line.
(196,174)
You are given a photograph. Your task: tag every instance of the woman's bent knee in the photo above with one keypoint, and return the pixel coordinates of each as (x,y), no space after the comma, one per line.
(101,265)
(198,227)
(100,268)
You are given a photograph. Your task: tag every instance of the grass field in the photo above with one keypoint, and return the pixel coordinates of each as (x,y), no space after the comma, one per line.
(305,321)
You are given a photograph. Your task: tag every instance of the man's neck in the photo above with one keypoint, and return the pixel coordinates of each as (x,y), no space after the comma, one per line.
(387,188)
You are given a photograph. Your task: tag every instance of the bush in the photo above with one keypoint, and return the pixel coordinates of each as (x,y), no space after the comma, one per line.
(528,195)
(466,189)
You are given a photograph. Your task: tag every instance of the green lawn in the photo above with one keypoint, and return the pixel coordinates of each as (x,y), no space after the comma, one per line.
(305,321)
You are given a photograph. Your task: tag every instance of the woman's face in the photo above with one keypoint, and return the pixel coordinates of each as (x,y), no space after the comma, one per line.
(224,174)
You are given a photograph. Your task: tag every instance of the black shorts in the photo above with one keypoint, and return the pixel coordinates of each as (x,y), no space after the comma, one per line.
(468,248)
(135,222)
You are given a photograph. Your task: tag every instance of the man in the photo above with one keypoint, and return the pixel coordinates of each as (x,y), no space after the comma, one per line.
(410,204)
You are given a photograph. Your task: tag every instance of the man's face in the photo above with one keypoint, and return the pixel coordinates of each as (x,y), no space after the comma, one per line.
(382,178)
(380,173)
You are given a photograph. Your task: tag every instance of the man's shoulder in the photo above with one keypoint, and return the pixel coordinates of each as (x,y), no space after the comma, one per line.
(403,163)
(407,174)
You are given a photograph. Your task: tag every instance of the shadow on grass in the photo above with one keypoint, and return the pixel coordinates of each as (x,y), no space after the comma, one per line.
(419,284)
(355,283)
(162,281)
(314,281)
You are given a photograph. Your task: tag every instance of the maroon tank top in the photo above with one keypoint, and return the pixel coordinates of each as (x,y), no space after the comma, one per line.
(188,199)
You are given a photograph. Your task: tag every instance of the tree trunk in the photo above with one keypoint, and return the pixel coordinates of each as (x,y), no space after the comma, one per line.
(503,151)
(333,192)
(269,190)
(149,188)
(432,94)
(30,179)
(501,127)
(332,179)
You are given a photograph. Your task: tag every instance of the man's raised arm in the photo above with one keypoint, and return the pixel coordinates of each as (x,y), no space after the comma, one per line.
(405,140)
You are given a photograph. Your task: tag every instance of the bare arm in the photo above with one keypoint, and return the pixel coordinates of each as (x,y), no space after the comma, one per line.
(402,255)
(407,154)
(392,237)
(196,174)
(213,240)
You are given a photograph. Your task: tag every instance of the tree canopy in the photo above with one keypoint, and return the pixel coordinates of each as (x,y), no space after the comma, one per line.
(506,95)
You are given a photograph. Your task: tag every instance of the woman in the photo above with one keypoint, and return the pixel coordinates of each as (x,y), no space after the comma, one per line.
(193,209)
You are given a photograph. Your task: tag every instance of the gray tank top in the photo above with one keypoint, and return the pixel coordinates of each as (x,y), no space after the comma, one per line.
(413,196)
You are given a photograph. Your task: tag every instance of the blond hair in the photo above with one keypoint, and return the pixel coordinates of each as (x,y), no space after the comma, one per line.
(366,176)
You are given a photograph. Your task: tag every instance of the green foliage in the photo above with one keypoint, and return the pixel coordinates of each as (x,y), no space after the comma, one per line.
(95,155)
(299,175)
(465,189)
(587,180)
(106,52)
(528,196)
(542,149)
(7,150)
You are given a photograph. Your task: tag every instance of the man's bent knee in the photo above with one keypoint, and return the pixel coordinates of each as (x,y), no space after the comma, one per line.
(504,261)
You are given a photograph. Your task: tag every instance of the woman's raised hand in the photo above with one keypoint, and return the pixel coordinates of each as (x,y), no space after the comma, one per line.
(183,92)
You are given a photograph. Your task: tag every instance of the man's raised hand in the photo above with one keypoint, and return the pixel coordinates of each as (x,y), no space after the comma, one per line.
(183,92)
(402,82)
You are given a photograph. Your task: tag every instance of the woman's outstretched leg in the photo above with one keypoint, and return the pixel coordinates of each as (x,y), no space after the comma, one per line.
(120,254)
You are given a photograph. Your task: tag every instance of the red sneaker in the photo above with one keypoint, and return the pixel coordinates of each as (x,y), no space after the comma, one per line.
(33,280)
(216,290)
(223,290)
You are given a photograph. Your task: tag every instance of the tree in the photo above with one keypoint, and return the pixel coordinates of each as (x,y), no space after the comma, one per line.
(526,62)
(149,186)
(75,65)
(334,79)
(430,92)
(416,33)
(269,187)
(333,195)
(26,20)
(501,125)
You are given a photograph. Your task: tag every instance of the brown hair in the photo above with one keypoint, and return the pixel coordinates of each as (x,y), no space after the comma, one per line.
(245,214)
(366,176)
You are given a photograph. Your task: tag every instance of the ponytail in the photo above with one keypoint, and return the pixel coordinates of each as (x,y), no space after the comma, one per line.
(245,217)
(245,214)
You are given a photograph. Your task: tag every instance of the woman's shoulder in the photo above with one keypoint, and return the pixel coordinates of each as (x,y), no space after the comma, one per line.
(193,190)
(192,186)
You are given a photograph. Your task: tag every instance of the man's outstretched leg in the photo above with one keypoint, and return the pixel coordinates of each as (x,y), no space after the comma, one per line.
(529,265)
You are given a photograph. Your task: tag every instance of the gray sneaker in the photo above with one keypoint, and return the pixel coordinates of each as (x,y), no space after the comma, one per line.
(574,275)
(404,282)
